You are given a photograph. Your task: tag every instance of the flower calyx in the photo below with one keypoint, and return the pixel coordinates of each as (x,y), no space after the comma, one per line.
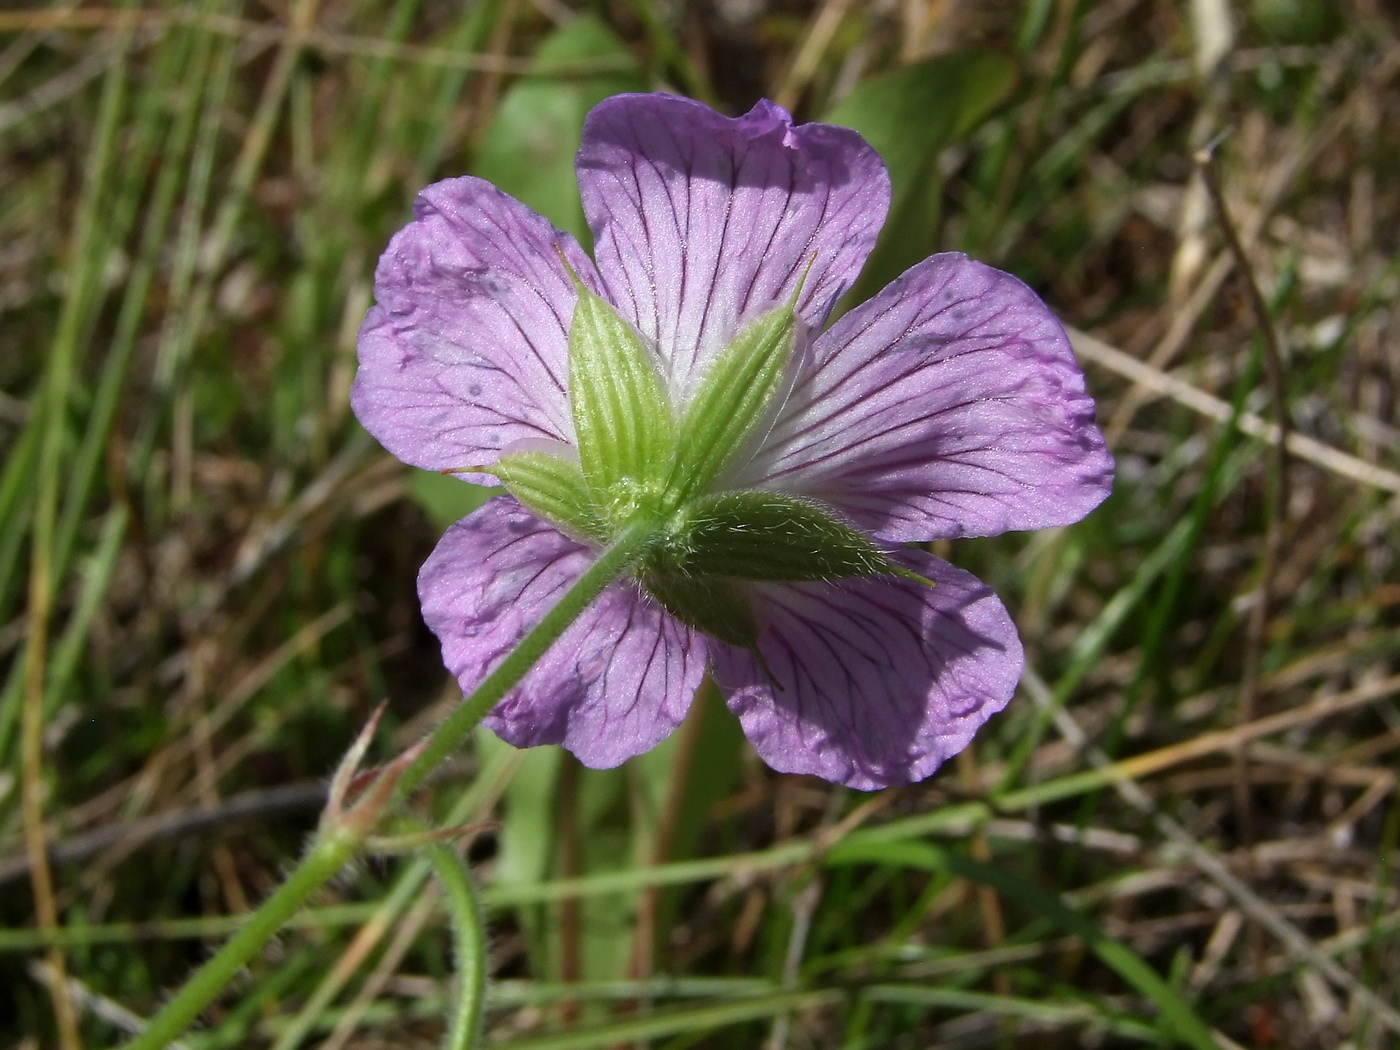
(640,457)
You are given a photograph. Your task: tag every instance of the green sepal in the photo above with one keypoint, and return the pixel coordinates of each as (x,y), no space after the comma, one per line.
(754,535)
(554,489)
(621,414)
(731,399)
(715,606)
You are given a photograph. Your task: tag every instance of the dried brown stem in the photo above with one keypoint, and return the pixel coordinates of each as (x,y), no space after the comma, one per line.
(1276,509)
(32,784)
(1277,185)
(180,823)
(1299,947)
(649,908)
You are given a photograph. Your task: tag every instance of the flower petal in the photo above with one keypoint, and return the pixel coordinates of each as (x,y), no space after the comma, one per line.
(699,220)
(467,349)
(948,405)
(615,683)
(882,679)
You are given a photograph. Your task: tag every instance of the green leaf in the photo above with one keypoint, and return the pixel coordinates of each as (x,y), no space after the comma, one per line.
(621,414)
(528,148)
(716,606)
(1296,21)
(729,404)
(446,499)
(922,108)
(1176,1014)
(910,116)
(554,489)
(754,535)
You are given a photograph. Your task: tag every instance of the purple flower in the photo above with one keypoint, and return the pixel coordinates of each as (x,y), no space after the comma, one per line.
(948,405)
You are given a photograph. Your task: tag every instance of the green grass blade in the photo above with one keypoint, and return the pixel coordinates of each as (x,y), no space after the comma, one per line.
(1178,1017)
(672,1022)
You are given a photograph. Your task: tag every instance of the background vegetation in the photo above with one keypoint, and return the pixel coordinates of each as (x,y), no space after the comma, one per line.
(1188,818)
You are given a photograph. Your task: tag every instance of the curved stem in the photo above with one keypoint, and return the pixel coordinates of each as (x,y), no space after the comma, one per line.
(334,849)
(469,943)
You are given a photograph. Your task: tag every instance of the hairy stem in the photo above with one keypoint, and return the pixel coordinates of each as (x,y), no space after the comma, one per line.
(469,942)
(1276,508)
(453,730)
(338,845)
(318,867)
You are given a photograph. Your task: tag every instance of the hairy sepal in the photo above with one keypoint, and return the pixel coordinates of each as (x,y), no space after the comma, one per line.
(622,418)
(718,607)
(754,535)
(731,400)
(555,490)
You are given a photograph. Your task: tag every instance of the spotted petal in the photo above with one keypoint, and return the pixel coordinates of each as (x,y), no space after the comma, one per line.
(614,685)
(882,679)
(467,349)
(949,405)
(700,220)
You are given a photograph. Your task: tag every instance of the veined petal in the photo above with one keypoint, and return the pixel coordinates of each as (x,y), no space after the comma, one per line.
(949,405)
(467,349)
(615,683)
(699,220)
(882,679)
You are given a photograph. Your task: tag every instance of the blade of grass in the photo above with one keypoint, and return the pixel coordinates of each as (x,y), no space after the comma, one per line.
(83,290)
(1178,1019)
(187,324)
(188,63)
(672,1022)
(113,370)
(1085,1014)
(473,30)
(16,504)
(98,574)
(1093,640)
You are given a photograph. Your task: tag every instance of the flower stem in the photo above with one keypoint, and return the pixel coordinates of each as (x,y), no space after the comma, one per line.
(464,1023)
(318,867)
(453,730)
(334,848)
